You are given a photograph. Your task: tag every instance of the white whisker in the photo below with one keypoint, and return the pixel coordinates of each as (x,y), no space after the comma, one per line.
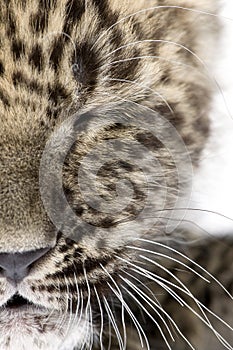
(101,320)
(140,293)
(190,260)
(122,306)
(137,325)
(149,301)
(146,57)
(155,8)
(114,324)
(78,302)
(169,258)
(88,313)
(150,316)
(186,291)
(144,87)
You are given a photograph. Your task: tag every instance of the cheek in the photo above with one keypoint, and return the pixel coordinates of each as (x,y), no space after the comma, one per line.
(30,331)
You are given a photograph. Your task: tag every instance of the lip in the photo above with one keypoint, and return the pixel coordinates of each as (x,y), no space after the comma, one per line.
(18,304)
(25,309)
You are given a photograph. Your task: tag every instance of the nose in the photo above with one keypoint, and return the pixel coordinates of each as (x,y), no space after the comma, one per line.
(16,265)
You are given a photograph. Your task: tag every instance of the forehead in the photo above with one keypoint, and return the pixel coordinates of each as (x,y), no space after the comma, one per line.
(37,52)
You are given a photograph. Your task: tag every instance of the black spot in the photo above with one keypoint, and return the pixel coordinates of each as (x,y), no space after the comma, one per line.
(89,63)
(78,72)
(67,258)
(39,21)
(50,299)
(51,288)
(18,78)
(149,140)
(2,69)
(47,4)
(201,125)
(126,70)
(11,26)
(165,78)
(36,57)
(57,51)
(41,288)
(90,265)
(17,48)
(107,19)
(57,92)
(106,16)
(51,112)
(125,165)
(107,222)
(170,112)
(63,249)
(189,140)
(73,13)
(4,98)
(78,252)
(79,210)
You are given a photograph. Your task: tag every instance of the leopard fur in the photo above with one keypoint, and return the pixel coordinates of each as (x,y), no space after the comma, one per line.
(89,72)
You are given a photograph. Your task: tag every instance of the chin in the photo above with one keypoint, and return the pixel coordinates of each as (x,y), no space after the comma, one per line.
(32,328)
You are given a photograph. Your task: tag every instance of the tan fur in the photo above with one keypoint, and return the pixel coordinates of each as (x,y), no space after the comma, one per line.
(97,60)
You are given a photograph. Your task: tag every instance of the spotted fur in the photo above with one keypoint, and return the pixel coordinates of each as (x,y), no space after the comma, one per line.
(69,65)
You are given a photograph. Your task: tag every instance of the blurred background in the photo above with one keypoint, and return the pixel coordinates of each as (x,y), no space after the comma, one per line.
(213,183)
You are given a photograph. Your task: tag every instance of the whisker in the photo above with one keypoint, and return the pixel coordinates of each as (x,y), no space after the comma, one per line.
(189,293)
(70,307)
(157,277)
(149,274)
(209,74)
(101,320)
(127,100)
(67,36)
(122,306)
(155,8)
(139,291)
(82,307)
(146,57)
(143,285)
(91,327)
(88,314)
(146,88)
(201,210)
(169,258)
(137,325)
(149,301)
(78,297)
(190,260)
(109,334)
(150,316)
(114,324)
(62,320)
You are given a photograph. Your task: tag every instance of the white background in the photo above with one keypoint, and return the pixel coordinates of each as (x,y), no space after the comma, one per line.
(213,183)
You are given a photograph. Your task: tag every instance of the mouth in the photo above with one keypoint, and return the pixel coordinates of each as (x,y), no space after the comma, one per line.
(17,302)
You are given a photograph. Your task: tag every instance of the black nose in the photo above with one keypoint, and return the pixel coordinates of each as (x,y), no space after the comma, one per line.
(16,265)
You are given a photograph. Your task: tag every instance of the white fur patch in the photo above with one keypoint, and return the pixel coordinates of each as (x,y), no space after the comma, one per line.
(24,330)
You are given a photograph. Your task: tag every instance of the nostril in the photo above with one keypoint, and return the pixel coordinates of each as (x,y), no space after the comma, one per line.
(16,265)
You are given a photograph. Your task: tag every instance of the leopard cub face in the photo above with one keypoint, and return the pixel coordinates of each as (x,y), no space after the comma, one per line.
(104,115)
